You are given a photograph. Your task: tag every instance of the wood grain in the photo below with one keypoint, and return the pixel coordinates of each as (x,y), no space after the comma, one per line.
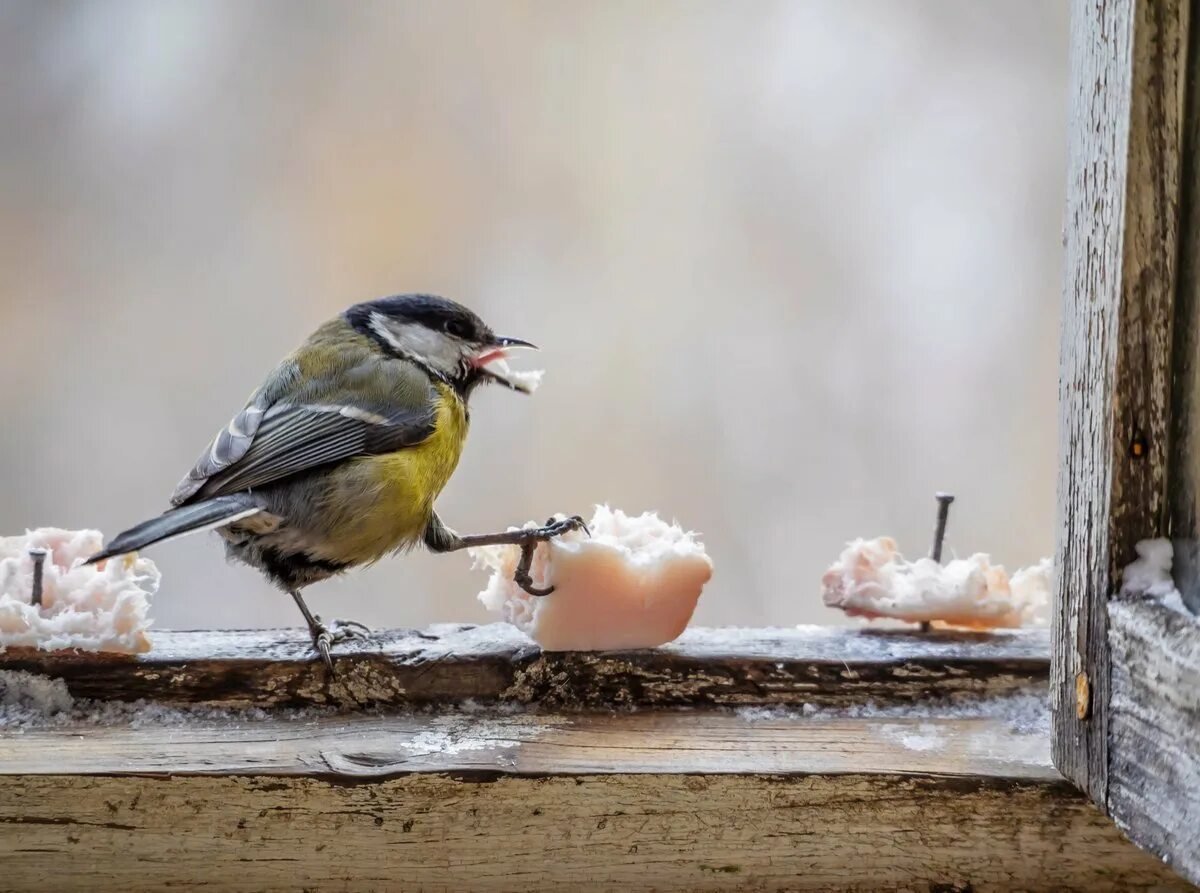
(355,747)
(705,667)
(1121,240)
(439,832)
(1154,779)
(1184,492)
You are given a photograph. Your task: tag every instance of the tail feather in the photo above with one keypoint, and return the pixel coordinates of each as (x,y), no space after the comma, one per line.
(207,515)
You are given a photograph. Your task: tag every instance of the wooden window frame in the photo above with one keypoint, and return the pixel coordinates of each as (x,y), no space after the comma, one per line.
(647,774)
(1125,676)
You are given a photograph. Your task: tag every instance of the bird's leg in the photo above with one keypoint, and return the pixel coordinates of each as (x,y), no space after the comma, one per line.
(521,574)
(440,538)
(326,636)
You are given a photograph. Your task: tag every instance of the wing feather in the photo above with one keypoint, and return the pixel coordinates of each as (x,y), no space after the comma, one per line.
(307,437)
(269,441)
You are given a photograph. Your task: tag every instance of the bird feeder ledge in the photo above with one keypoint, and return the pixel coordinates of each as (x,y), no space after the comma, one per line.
(768,758)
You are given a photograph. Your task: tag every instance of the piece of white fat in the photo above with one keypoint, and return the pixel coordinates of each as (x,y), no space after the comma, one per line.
(633,583)
(527,380)
(872,579)
(84,607)
(1150,574)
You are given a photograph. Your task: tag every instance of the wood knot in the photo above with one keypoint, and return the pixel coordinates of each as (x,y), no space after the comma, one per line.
(1138,446)
(1083,696)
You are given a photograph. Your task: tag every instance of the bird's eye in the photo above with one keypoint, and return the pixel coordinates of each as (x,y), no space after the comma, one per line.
(458,329)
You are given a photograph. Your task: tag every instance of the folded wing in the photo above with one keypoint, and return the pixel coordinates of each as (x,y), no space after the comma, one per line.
(269,441)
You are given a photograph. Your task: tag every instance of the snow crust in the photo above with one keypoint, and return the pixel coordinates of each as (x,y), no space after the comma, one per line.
(1150,574)
(30,701)
(1022,712)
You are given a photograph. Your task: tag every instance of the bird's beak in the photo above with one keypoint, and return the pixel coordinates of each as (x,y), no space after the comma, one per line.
(492,363)
(515,342)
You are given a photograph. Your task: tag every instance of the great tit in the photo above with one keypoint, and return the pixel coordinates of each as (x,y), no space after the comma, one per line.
(337,458)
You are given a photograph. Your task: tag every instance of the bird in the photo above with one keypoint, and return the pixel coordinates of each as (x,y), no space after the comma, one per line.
(337,458)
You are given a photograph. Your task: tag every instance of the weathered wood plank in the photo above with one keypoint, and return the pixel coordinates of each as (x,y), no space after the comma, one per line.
(628,832)
(705,667)
(358,747)
(1154,720)
(1184,474)
(1127,69)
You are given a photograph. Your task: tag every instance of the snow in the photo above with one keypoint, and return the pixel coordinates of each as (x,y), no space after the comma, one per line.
(1150,575)
(924,736)
(101,607)
(460,734)
(1023,712)
(633,583)
(30,701)
(871,579)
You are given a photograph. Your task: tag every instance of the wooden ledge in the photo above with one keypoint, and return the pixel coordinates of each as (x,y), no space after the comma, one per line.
(357,747)
(823,666)
(540,790)
(665,800)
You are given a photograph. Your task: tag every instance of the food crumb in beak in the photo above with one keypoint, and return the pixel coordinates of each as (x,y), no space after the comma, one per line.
(526,381)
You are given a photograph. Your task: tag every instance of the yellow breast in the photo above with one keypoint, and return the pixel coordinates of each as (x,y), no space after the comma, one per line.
(377,504)
(419,473)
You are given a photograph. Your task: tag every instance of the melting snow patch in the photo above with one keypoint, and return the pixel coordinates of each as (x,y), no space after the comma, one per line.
(1150,575)
(31,701)
(453,735)
(923,736)
(1026,712)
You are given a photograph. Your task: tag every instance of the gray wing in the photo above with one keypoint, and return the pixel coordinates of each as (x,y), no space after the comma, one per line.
(227,447)
(267,442)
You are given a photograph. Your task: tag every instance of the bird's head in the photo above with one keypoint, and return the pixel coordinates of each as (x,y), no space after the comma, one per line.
(445,338)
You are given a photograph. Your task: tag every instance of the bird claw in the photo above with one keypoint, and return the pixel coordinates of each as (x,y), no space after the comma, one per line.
(575,522)
(325,636)
(556,527)
(535,535)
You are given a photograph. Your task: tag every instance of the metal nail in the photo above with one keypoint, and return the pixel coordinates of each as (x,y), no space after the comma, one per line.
(939,537)
(39,561)
(939,532)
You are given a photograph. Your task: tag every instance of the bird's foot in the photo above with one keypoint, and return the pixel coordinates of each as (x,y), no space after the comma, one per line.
(529,541)
(326,635)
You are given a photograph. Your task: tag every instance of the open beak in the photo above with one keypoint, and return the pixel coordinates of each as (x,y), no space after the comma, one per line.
(492,363)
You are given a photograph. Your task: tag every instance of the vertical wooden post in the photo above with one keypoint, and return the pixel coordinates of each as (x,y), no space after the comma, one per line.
(1184,490)
(1121,237)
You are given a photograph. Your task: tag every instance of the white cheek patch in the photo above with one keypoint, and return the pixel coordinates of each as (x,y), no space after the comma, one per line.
(440,352)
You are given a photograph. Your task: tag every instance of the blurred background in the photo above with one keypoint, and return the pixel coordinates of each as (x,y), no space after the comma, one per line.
(794,266)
